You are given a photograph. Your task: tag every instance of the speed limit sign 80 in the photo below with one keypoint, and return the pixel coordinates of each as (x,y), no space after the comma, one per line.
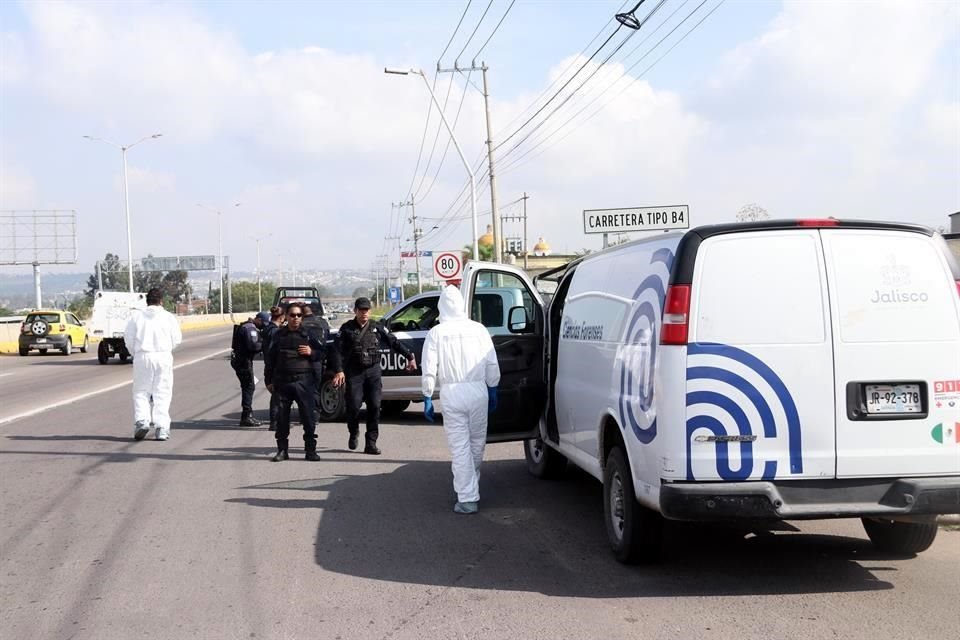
(447,265)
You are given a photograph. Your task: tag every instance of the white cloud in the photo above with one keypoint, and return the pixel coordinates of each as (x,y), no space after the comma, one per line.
(943,122)
(17,189)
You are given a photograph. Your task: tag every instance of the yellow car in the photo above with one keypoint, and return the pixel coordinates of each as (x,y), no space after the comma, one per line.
(53,329)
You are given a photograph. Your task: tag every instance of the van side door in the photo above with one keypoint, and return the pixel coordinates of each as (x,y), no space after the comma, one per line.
(522,390)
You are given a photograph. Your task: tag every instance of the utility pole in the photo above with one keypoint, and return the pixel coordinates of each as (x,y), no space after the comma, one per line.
(523,218)
(400,263)
(497,230)
(417,232)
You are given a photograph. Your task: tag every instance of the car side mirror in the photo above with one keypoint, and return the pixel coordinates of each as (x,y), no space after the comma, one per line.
(517,320)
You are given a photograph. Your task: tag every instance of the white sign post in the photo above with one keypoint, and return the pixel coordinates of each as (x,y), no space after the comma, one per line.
(636,219)
(448,265)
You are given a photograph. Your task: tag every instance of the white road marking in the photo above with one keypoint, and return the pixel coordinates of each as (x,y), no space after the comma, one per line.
(90,394)
(6,374)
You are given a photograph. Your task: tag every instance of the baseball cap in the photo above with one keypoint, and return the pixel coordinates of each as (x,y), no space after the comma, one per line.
(263,316)
(362,303)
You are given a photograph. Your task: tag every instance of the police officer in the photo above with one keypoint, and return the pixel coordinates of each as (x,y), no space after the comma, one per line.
(247,343)
(289,376)
(267,332)
(359,349)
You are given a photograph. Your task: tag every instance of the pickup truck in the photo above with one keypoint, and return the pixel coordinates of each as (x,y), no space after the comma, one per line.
(410,322)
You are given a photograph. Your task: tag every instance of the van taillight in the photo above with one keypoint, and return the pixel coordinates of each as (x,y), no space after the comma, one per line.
(676,315)
(958,287)
(818,222)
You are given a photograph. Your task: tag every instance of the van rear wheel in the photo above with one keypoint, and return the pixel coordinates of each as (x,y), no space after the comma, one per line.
(899,536)
(635,532)
(543,461)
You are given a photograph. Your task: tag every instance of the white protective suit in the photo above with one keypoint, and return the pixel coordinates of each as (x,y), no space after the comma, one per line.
(151,336)
(458,354)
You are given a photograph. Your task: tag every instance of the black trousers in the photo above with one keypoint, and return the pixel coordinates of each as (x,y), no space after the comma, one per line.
(364,387)
(303,391)
(244,370)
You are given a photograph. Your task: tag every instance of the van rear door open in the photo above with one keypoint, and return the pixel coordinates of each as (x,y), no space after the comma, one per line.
(897,353)
(760,388)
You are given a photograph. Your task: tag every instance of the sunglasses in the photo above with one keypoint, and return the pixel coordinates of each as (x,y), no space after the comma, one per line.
(294,315)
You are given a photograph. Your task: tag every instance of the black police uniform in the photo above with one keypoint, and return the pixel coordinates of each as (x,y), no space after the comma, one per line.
(268,332)
(359,349)
(319,329)
(292,377)
(246,344)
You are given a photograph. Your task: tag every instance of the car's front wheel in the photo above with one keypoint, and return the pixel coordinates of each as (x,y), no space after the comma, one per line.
(331,402)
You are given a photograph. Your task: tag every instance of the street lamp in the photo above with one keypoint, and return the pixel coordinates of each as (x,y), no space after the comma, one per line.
(219,246)
(463,158)
(126,193)
(257,239)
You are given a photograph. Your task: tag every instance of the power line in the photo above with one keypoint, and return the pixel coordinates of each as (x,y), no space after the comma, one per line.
(516,161)
(454,34)
(564,72)
(585,81)
(446,149)
(490,37)
(562,87)
(467,44)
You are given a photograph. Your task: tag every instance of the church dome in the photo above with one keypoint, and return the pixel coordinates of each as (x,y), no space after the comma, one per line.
(486,240)
(541,248)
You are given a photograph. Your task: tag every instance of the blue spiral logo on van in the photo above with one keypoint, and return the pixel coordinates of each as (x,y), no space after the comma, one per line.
(712,396)
(640,343)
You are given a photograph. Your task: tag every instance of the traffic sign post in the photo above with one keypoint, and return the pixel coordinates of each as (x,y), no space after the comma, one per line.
(448,265)
(394,295)
(636,219)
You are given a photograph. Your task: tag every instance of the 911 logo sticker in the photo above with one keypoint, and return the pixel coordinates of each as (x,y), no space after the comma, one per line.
(718,378)
(638,356)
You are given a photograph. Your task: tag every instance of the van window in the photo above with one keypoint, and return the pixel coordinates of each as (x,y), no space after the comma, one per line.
(760,288)
(488,309)
(891,287)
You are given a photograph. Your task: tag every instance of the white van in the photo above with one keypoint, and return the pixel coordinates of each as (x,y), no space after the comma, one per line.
(774,370)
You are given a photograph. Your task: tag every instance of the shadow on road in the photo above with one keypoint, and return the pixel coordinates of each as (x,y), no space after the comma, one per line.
(72,438)
(545,537)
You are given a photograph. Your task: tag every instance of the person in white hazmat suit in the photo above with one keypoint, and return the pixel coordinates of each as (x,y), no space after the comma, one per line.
(458,354)
(151,336)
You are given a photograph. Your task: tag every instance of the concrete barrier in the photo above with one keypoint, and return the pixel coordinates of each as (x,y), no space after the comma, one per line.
(10,332)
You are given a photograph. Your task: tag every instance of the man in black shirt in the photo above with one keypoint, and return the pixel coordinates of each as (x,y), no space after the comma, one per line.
(289,373)
(359,346)
(247,343)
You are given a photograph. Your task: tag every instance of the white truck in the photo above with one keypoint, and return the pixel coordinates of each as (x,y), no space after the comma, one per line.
(777,370)
(111,311)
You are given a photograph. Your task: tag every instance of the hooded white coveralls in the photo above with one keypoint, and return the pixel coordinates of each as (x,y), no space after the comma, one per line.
(458,354)
(151,336)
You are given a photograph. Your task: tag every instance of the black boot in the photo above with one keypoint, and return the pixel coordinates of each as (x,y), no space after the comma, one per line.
(247,420)
(310,447)
(352,442)
(281,452)
(371,447)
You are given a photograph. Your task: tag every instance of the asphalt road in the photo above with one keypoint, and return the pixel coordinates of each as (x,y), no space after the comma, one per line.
(200,536)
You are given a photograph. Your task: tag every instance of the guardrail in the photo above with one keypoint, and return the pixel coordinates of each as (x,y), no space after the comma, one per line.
(10,331)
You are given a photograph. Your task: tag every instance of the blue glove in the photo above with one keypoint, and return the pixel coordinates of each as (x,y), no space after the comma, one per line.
(428,408)
(491,399)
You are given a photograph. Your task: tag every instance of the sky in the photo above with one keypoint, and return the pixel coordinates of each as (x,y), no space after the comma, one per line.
(807,109)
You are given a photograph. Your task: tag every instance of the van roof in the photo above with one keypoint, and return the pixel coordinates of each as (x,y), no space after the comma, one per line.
(682,272)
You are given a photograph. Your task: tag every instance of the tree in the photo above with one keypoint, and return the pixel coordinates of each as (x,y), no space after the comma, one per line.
(486,252)
(752,213)
(361,292)
(4,312)
(82,306)
(244,296)
(112,273)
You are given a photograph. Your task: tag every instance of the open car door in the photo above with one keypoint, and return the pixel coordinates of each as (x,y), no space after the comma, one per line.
(504,300)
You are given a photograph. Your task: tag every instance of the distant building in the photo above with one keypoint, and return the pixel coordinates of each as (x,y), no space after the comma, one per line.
(955,222)
(954,241)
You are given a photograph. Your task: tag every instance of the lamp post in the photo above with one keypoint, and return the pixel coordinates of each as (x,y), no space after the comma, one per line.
(463,158)
(257,239)
(219,246)
(126,193)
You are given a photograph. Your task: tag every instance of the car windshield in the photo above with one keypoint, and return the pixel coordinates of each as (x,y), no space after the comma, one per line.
(49,318)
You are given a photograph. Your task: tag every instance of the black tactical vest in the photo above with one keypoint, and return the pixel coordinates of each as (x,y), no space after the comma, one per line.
(366,349)
(289,362)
